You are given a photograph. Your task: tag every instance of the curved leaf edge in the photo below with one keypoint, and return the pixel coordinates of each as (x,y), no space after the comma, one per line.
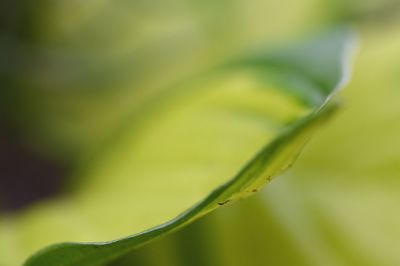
(88,253)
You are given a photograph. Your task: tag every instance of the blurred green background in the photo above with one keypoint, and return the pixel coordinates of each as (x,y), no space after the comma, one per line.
(73,72)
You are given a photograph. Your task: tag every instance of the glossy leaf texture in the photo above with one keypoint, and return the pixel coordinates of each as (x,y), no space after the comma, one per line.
(207,142)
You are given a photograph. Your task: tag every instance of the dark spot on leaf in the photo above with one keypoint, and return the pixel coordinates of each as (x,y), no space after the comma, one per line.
(223,203)
(254,190)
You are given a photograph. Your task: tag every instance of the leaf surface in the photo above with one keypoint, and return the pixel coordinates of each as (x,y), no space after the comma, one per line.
(206,143)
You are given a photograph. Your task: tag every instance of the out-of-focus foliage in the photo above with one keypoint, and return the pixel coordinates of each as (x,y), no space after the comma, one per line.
(73,72)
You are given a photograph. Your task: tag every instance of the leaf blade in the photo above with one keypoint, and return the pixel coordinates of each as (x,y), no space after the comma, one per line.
(270,161)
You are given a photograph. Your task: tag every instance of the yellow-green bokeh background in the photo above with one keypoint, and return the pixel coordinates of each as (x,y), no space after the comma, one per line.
(339,203)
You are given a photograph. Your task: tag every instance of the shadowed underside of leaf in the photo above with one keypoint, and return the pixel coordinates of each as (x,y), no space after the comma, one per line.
(248,120)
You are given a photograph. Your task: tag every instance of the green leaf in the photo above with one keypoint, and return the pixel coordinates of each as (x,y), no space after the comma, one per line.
(324,210)
(187,142)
